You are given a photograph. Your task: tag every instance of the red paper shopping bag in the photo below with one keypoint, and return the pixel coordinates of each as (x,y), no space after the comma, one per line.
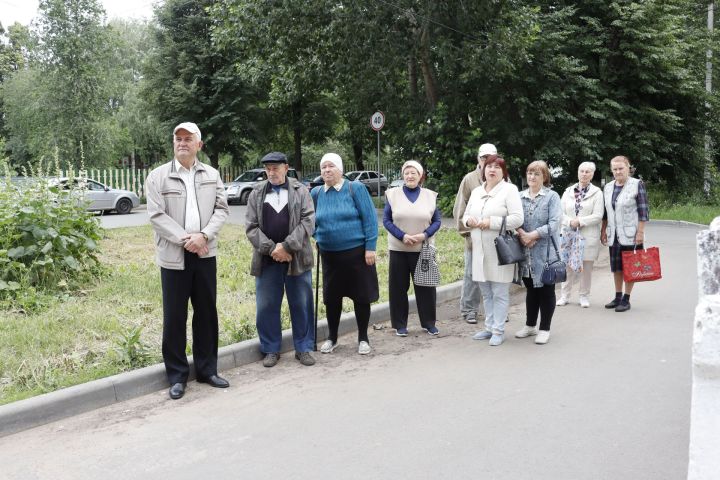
(641,265)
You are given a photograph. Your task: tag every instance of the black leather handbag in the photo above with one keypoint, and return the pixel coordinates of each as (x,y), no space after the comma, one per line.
(555,271)
(508,247)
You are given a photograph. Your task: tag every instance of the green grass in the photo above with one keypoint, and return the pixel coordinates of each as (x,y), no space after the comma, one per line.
(703,214)
(89,335)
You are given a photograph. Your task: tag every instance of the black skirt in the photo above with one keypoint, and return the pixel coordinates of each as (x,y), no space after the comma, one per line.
(345,274)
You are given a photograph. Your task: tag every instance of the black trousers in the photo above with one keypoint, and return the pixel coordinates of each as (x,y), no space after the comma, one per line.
(333,310)
(197,283)
(542,300)
(402,267)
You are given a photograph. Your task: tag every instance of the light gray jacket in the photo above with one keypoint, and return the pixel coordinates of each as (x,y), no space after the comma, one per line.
(623,219)
(301,228)
(166,200)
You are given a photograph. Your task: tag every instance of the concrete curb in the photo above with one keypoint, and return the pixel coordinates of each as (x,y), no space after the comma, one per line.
(678,223)
(53,406)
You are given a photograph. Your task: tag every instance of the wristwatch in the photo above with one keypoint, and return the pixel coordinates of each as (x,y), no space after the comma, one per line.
(204,236)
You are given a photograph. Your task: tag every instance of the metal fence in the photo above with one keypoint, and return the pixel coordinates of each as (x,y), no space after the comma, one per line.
(133,179)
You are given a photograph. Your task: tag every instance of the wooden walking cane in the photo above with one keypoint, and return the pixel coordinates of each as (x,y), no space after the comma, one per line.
(317,292)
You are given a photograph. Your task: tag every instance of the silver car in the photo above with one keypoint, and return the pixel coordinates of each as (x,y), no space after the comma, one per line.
(239,189)
(101,197)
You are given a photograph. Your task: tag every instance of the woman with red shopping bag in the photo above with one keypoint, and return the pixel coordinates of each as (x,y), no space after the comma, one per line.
(626,213)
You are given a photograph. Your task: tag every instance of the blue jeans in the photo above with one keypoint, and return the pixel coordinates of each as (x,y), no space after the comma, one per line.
(269,288)
(470,296)
(496,297)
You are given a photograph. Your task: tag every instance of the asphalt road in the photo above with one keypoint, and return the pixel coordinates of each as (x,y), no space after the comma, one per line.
(607,398)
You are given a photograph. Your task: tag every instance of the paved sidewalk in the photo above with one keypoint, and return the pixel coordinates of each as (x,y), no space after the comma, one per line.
(607,398)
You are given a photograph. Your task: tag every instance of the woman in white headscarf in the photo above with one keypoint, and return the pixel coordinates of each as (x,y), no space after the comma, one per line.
(346,231)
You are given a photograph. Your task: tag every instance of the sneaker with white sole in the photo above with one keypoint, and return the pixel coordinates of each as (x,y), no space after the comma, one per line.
(401,332)
(364,348)
(562,301)
(525,332)
(328,346)
(496,340)
(482,335)
(432,331)
(471,318)
(584,302)
(543,337)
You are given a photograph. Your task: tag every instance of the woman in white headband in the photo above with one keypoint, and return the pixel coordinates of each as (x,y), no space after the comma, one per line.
(411,217)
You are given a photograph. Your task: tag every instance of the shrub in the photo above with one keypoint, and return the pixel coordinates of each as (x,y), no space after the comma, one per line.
(48,242)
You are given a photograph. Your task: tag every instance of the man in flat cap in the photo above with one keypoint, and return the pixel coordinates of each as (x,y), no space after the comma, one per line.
(187,207)
(470,298)
(280,219)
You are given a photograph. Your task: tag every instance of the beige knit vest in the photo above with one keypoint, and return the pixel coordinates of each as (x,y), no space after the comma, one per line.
(410,217)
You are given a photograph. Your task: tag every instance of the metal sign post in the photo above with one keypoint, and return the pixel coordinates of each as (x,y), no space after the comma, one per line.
(377,122)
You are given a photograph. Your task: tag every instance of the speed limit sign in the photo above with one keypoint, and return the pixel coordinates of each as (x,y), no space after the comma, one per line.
(377,121)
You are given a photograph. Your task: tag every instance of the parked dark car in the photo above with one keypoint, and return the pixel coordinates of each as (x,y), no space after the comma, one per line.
(239,189)
(307,179)
(369,178)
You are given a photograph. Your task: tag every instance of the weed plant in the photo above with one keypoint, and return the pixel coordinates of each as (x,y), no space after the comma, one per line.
(48,242)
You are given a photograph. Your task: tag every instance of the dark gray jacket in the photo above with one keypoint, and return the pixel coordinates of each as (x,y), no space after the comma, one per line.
(302,226)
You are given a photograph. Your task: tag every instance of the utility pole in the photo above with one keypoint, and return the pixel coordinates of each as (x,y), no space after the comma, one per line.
(708,90)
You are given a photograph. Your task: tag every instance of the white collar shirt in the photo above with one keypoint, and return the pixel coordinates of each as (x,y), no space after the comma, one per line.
(337,186)
(192,212)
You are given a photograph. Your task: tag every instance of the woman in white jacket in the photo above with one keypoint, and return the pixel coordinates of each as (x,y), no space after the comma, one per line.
(494,199)
(583,207)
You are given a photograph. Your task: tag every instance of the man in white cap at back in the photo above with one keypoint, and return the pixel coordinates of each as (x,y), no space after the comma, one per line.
(470,298)
(187,207)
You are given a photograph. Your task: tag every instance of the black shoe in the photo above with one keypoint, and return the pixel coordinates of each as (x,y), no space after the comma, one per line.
(214,381)
(305,358)
(177,390)
(623,307)
(271,359)
(613,304)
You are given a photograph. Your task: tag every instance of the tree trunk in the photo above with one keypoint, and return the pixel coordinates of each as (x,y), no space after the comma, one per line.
(413,76)
(214,159)
(297,135)
(431,92)
(358,155)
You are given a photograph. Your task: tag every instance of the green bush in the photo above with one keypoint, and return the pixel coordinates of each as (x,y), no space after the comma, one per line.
(48,243)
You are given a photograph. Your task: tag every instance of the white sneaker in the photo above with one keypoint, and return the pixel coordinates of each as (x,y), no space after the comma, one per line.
(364,348)
(562,302)
(482,335)
(584,302)
(526,332)
(543,337)
(328,346)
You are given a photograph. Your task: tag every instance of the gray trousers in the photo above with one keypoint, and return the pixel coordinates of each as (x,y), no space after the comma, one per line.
(470,298)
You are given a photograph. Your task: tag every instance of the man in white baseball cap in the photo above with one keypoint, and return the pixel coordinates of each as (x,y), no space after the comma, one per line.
(470,298)
(187,208)
(189,127)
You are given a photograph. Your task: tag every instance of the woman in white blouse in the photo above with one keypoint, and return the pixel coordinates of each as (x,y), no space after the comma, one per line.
(583,207)
(494,199)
